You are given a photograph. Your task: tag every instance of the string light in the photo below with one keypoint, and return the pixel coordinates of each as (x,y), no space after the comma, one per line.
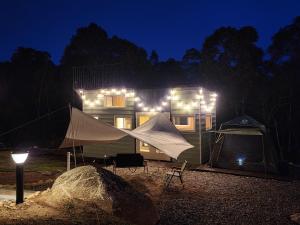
(199,99)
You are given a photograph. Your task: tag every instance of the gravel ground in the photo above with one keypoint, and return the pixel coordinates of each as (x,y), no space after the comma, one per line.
(207,198)
(212,198)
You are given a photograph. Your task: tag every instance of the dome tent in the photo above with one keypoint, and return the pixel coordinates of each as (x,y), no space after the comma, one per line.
(243,143)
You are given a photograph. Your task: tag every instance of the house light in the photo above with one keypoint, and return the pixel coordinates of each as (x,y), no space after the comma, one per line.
(172,92)
(194,104)
(92,104)
(145,108)
(214,95)
(137,99)
(200,91)
(99,95)
(164,103)
(118,92)
(140,104)
(202,102)
(97,102)
(169,97)
(81,91)
(179,104)
(123,90)
(175,97)
(113,90)
(102,91)
(83,96)
(152,110)
(187,107)
(159,108)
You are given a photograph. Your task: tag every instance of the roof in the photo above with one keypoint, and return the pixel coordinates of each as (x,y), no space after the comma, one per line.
(243,122)
(241,131)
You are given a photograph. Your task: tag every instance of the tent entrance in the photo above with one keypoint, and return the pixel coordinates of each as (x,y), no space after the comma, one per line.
(148,151)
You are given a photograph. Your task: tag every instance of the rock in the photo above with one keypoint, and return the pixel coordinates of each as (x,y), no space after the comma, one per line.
(1,204)
(110,192)
(295,218)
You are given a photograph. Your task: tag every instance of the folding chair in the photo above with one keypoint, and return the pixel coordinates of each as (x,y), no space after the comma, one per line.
(176,172)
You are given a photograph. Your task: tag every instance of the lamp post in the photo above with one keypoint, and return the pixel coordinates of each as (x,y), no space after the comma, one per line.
(19,158)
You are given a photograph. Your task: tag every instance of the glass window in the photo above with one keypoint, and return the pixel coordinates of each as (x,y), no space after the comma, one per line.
(123,122)
(184,123)
(144,147)
(208,122)
(114,101)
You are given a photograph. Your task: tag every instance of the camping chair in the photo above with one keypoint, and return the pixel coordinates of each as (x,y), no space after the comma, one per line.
(176,172)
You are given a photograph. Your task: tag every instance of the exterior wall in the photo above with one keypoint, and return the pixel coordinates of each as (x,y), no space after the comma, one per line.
(179,104)
(107,115)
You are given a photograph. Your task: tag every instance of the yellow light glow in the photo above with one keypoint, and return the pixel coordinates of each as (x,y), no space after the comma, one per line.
(140,104)
(164,103)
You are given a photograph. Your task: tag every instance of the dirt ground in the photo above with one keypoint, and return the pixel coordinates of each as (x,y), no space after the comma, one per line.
(206,198)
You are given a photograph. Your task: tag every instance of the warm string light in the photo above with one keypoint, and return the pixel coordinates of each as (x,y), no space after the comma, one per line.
(199,100)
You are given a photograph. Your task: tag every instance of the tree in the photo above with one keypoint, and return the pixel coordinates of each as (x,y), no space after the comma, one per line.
(284,67)
(92,48)
(154,59)
(190,64)
(232,64)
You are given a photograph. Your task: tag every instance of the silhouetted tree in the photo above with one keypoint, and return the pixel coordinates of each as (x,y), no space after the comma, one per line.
(284,67)
(232,64)
(190,65)
(154,59)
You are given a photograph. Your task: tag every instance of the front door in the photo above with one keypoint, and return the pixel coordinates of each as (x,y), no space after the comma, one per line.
(148,151)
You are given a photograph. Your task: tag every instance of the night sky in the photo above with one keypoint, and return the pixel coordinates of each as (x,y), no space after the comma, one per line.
(168,26)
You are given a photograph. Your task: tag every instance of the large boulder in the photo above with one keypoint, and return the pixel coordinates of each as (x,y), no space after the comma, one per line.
(110,192)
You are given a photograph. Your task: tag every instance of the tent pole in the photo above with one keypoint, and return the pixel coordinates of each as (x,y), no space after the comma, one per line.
(264,155)
(82,156)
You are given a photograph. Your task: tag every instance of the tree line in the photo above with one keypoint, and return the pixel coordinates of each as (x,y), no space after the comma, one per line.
(249,80)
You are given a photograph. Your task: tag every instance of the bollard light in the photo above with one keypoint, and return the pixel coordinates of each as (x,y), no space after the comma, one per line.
(19,158)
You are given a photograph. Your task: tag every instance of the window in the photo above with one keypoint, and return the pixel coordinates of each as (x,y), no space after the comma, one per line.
(114,101)
(143,119)
(123,122)
(184,123)
(208,122)
(144,147)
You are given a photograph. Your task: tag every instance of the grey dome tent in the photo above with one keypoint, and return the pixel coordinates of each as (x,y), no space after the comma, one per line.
(243,143)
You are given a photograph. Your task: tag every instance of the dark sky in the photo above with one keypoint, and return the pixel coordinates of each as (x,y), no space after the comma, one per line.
(168,26)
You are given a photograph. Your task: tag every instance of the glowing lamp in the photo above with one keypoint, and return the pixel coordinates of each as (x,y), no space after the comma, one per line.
(240,161)
(19,158)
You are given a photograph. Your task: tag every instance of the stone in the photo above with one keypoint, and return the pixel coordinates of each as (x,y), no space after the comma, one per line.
(109,191)
(295,218)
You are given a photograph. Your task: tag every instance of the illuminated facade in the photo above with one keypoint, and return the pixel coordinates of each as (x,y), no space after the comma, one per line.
(191,109)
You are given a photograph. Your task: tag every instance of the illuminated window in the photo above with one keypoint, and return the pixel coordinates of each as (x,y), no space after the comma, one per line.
(184,123)
(144,147)
(114,101)
(143,119)
(123,122)
(208,122)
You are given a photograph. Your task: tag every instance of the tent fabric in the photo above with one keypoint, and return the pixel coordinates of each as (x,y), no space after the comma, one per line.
(85,130)
(243,121)
(160,132)
(244,144)
(241,131)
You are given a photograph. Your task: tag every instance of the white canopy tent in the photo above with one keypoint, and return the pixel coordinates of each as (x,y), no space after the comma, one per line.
(159,132)
(85,130)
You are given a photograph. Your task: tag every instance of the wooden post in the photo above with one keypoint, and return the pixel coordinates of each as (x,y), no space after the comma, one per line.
(68,160)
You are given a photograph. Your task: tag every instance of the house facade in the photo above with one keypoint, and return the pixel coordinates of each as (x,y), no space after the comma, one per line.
(191,109)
